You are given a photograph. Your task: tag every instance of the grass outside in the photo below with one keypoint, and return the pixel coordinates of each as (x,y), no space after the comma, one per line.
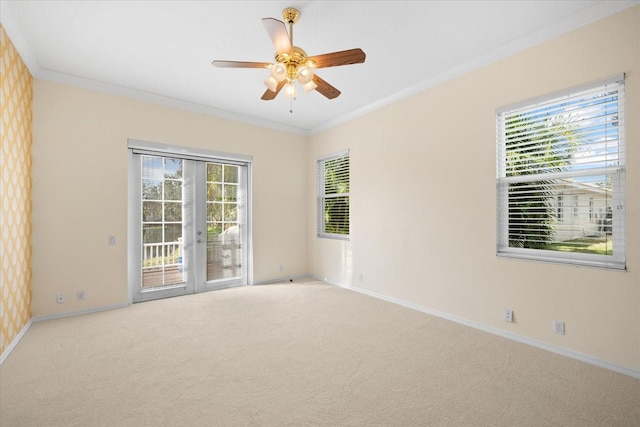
(587,245)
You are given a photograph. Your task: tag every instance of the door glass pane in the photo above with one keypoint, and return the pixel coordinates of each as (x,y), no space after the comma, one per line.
(162,225)
(173,211)
(151,189)
(230,192)
(214,172)
(214,212)
(151,211)
(224,250)
(173,190)
(231,214)
(214,191)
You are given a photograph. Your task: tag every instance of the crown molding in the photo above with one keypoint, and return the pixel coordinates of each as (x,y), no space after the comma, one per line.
(165,101)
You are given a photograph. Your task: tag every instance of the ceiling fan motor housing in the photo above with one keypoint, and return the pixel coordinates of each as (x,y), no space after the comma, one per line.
(297,57)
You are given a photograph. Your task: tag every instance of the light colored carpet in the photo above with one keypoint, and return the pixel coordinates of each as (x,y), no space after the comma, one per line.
(295,355)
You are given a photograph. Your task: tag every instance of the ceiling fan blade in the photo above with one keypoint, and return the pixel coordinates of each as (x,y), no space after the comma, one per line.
(278,32)
(325,88)
(240,64)
(268,95)
(345,57)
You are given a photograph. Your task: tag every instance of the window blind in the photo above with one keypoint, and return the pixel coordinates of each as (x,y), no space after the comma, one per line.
(333,196)
(561,177)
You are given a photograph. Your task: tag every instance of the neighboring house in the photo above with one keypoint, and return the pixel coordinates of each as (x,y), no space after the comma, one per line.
(582,210)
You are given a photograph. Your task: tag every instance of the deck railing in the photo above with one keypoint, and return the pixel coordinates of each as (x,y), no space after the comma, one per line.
(158,254)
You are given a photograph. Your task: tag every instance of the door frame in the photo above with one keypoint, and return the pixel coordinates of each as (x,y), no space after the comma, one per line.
(139,147)
(200,204)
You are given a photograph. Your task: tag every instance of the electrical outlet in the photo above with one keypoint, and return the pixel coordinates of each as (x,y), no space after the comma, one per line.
(60,298)
(80,295)
(558,327)
(508,315)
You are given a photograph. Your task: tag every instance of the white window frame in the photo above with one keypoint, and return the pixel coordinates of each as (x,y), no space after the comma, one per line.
(324,197)
(615,261)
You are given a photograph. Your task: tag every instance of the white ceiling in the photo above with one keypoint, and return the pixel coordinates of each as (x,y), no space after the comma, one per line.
(161,51)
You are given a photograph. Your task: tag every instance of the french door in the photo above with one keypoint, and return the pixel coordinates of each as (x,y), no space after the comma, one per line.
(190,225)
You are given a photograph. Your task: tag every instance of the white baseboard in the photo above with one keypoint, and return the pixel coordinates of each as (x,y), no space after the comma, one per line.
(7,351)
(281,280)
(514,337)
(78,312)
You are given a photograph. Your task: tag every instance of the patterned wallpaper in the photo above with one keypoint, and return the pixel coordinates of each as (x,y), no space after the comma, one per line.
(16,92)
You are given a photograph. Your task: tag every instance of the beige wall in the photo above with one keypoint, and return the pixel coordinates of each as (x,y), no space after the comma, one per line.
(423,207)
(80,191)
(16,91)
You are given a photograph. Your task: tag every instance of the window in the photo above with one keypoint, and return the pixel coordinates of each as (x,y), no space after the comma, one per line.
(333,196)
(561,149)
(560,207)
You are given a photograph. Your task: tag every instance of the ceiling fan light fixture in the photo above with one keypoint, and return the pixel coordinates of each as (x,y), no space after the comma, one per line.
(305,74)
(279,71)
(309,86)
(290,90)
(271,83)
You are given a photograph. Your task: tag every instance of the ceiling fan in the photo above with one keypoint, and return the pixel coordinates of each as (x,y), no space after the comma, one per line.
(292,63)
